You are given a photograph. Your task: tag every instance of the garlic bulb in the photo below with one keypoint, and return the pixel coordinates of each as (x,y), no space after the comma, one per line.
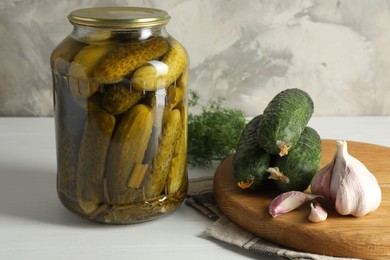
(317,213)
(347,184)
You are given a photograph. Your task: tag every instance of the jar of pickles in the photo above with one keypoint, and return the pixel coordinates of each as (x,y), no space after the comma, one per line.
(120,102)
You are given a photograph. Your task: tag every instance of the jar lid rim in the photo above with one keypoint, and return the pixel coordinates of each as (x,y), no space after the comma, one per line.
(119,17)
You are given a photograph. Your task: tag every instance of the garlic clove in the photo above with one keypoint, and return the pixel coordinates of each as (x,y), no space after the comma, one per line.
(317,213)
(289,201)
(320,183)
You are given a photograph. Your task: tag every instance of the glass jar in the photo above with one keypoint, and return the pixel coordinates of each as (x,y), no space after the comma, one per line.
(120,102)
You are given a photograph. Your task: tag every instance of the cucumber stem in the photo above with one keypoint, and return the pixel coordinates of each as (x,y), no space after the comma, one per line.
(276,174)
(247,183)
(283,148)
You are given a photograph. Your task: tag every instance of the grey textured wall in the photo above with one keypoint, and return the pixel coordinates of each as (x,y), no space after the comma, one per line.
(244,50)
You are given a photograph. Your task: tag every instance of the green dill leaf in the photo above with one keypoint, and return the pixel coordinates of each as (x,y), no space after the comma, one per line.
(213,134)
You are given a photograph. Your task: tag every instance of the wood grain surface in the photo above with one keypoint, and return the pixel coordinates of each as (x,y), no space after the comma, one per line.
(345,236)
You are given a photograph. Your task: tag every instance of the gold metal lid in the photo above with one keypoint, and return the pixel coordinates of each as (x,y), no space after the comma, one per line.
(119,17)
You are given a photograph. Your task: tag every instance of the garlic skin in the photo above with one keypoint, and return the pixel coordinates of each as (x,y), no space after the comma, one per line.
(317,213)
(289,201)
(347,184)
(320,183)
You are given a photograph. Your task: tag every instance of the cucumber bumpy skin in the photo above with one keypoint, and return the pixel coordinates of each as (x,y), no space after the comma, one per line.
(178,173)
(126,58)
(66,160)
(174,96)
(69,122)
(295,170)
(285,118)
(64,53)
(92,157)
(126,150)
(118,99)
(151,77)
(81,69)
(166,148)
(250,161)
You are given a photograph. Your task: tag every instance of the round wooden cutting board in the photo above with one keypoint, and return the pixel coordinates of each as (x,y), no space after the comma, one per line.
(345,236)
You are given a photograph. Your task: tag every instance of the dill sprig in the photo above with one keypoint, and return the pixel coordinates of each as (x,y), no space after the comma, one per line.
(213,134)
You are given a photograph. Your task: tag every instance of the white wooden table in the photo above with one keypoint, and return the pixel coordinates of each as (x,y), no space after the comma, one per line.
(34,224)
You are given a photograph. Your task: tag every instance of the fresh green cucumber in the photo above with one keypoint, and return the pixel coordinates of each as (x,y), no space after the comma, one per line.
(284,120)
(295,170)
(250,161)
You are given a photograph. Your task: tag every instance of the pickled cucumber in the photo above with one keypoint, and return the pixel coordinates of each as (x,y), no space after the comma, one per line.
(69,122)
(161,74)
(66,160)
(122,60)
(178,173)
(91,159)
(63,53)
(127,149)
(250,161)
(182,81)
(175,96)
(284,120)
(118,99)
(81,82)
(166,148)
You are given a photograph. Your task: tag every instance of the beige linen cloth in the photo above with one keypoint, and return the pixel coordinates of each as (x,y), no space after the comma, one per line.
(200,196)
